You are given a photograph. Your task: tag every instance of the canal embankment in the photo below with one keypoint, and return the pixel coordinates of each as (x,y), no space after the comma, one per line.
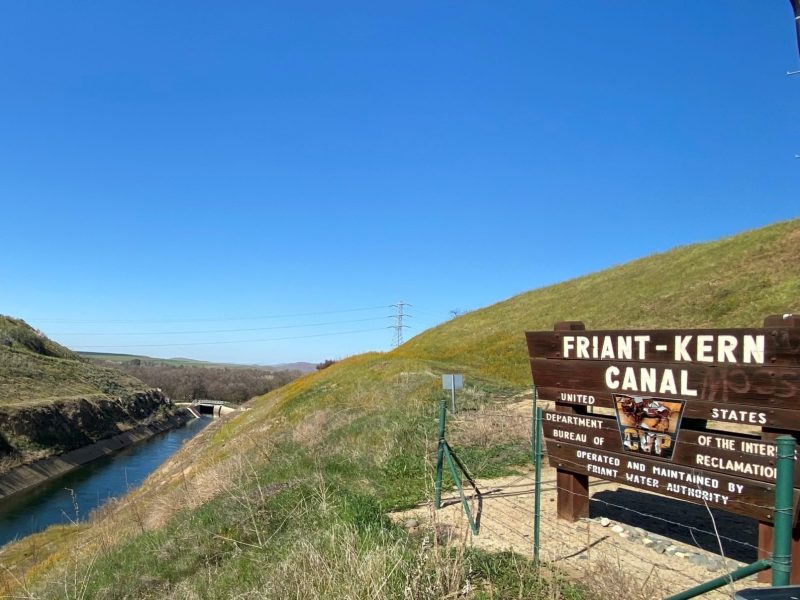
(42,441)
(74,496)
(28,475)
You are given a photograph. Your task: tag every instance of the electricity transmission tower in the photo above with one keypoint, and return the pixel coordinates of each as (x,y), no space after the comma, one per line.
(398,321)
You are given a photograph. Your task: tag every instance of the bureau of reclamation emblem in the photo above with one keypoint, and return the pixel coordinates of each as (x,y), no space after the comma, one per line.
(648,426)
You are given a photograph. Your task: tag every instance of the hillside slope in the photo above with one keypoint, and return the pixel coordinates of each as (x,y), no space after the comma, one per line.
(33,368)
(734,282)
(288,499)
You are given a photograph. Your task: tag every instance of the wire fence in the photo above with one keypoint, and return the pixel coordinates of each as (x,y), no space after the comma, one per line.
(633,544)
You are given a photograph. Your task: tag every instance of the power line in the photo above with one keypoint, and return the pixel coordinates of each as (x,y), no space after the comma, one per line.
(65,333)
(297,337)
(212,319)
(398,325)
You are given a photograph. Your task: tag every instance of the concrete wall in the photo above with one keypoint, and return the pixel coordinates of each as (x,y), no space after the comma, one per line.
(29,475)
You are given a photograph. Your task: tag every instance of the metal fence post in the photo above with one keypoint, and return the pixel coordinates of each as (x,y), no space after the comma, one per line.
(533,427)
(723,580)
(440,455)
(781,561)
(782,541)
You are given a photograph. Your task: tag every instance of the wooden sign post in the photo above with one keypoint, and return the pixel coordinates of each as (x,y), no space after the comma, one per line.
(666,389)
(572,497)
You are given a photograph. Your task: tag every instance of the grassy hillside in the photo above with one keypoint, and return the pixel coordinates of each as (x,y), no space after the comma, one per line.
(734,282)
(288,499)
(34,368)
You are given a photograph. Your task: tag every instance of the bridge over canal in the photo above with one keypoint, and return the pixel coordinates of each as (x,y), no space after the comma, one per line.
(214,408)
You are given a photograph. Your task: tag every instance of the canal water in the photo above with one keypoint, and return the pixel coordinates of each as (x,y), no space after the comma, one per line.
(72,496)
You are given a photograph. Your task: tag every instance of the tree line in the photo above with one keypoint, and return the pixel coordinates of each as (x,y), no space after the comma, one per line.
(183,382)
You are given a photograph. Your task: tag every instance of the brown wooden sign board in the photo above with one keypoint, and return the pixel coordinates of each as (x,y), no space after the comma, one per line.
(654,380)
(737,456)
(742,496)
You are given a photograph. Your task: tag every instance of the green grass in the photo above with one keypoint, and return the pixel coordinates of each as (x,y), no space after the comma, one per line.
(307,542)
(307,475)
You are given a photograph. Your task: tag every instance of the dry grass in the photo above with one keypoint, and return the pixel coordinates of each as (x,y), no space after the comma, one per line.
(609,579)
(490,426)
(336,565)
(313,428)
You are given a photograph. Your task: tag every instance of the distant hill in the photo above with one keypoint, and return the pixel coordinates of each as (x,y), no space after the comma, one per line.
(733,282)
(303,367)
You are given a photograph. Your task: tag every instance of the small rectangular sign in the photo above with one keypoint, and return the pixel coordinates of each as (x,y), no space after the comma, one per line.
(453,381)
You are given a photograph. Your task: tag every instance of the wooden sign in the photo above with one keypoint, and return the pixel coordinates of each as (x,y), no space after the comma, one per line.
(663,386)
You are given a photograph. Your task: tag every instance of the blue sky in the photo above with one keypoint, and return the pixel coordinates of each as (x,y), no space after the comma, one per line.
(173,171)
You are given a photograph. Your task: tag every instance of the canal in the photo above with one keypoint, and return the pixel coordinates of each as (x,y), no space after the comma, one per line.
(72,496)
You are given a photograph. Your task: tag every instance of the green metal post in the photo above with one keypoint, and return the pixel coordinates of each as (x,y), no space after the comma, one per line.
(533,427)
(457,479)
(537,496)
(782,541)
(740,573)
(781,561)
(437,500)
(533,462)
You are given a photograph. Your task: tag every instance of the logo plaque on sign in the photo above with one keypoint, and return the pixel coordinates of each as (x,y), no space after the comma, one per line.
(648,426)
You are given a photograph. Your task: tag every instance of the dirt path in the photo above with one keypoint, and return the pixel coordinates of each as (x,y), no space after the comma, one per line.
(634,545)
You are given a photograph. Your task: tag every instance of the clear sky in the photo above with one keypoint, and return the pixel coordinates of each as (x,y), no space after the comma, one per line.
(172,169)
